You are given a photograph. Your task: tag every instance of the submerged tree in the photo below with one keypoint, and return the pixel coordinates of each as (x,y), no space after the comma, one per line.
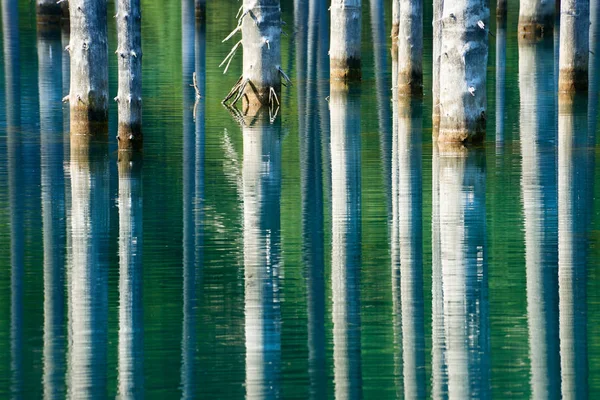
(48,13)
(574,45)
(463,63)
(129,54)
(344,52)
(536,18)
(410,48)
(88,48)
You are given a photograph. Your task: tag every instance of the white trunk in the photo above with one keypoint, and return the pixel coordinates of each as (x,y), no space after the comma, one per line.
(536,18)
(49,14)
(574,45)
(500,80)
(438,8)
(50,54)
(131,243)
(395,22)
(463,67)
(344,50)
(88,48)
(346,242)
(410,48)
(261,39)
(262,262)
(88,289)
(573,220)
(129,56)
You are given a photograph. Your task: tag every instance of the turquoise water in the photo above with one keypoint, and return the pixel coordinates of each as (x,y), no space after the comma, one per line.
(334,252)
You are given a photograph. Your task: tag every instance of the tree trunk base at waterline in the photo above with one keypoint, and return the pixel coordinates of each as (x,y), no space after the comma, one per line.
(347,70)
(88,121)
(572,80)
(533,31)
(465,132)
(49,16)
(130,137)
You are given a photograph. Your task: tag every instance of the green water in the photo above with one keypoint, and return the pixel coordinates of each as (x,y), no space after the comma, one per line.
(332,253)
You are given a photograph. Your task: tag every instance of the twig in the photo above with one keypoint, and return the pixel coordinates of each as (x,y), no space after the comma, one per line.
(195,85)
(287,78)
(233,89)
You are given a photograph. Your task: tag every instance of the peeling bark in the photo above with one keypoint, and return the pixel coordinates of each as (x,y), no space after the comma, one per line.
(410,48)
(88,48)
(129,55)
(574,45)
(344,51)
(463,65)
(536,19)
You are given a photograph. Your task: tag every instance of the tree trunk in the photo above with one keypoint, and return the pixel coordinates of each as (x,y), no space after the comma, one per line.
(49,14)
(536,19)
(261,39)
(88,48)
(131,324)
(438,8)
(501,11)
(463,68)
(129,55)
(344,51)
(395,22)
(410,48)
(500,80)
(574,45)
(200,6)
(346,239)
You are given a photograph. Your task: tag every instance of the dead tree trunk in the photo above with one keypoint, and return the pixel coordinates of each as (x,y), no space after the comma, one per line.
(88,48)
(410,48)
(129,54)
(574,45)
(48,13)
(501,10)
(200,6)
(438,7)
(536,18)
(344,51)
(462,77)
(395,23)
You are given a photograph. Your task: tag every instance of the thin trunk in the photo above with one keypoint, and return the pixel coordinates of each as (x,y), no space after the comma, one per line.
(410,48)
(129,55)
(346,239)
(500,81)
(344,51)
(574,45)
(88,48)
(463,67)
(536,19)
(49,14)
(131,326)
(395,22)
(438,8)
(261,80)
(262,257)
(200,6)
(501,11)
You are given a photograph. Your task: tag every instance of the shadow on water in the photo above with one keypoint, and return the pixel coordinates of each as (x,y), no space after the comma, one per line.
(344,108)
(262,255)
(461,342)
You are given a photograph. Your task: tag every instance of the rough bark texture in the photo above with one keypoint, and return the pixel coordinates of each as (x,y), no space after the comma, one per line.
(536,19)
(261,33)
(344,51)
(88,48)
(463,66)
(49,14)
(129,55)
(410,48)
(574,45)
(438,7)
(395,22)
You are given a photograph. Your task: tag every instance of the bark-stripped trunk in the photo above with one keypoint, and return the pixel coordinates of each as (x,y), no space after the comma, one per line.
(395,23)
(131,324)
(346,240)
(88,48)
(573,246)
(50,54)
(536,18)
(438,8)
(129,55)
(407,245)
(261,39)
(500,80)
(344,51)
(48,13)
(574,45)
(463,67)
(262,250)
(410,48)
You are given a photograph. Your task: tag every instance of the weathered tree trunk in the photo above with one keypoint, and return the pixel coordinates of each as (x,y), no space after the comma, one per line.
(49,14)
(574,45)
(346,240)
(395,23)
(261,39)
(131,243)
(536,18)
(88,48)
(500,80)
(410,48)
(438,8)
(50,54)
(129,55)
(200,6)
(344,51)
(501,11)
(573,245)
(262,256)
(463,67)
